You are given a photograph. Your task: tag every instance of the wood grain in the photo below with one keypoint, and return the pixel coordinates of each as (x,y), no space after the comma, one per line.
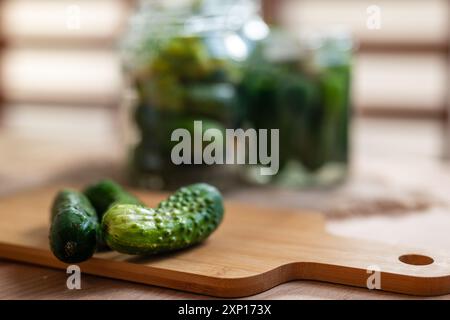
(24,281)
(254,250)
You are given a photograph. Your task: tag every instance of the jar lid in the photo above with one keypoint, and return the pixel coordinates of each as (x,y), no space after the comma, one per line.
(196,15)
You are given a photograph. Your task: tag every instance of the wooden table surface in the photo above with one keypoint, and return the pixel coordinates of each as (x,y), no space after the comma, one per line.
(397,194)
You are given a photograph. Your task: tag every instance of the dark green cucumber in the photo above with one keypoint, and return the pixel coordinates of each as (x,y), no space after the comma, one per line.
(74,227)
(187,217)
(104,194)
(71,199)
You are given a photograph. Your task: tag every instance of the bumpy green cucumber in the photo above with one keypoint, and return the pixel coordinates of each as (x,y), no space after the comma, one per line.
(104,194)
(187,217)
(74,227)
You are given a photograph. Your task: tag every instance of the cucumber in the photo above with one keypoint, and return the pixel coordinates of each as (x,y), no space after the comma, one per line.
(72,199)
(105,193)
(74,227)
(186,218)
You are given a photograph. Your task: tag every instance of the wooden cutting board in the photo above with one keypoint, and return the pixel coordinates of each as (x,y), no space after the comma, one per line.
(253,250)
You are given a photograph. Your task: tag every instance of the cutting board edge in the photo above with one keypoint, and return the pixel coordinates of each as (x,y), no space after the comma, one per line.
(232,287)
(119,270)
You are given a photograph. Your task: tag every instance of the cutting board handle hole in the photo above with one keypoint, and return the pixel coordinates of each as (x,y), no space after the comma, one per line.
(416,259)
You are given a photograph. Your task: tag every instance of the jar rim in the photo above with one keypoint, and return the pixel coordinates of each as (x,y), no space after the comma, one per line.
(158,20)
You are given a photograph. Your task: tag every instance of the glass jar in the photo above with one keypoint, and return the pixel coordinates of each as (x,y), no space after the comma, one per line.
(300,84)
(183,64)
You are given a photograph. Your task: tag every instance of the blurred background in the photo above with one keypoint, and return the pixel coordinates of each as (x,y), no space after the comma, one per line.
(61,88)
(62,112)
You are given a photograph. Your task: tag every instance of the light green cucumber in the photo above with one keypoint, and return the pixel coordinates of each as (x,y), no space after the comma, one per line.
(186,218)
